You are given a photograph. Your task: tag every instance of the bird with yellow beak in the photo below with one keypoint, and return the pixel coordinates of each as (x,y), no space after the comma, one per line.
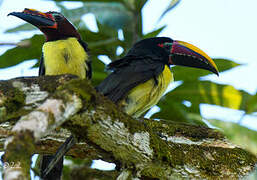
(139,79)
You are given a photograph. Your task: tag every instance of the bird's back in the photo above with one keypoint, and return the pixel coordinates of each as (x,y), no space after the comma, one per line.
(136,84)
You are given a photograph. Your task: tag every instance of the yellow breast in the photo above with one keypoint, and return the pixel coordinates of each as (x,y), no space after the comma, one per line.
(146,95)
(65,57)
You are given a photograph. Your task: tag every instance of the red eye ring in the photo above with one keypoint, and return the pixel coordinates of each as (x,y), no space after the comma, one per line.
(161,45)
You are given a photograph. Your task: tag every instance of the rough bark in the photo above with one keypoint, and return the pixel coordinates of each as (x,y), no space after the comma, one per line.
(143,148)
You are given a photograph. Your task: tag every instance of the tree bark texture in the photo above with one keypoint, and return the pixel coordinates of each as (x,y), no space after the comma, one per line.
(32,108)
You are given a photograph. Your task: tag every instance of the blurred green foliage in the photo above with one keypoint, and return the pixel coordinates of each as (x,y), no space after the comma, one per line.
(246,138)
(125,16)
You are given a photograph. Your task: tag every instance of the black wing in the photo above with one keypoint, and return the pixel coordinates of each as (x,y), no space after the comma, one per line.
(88,62)
(128,74)
(41,66)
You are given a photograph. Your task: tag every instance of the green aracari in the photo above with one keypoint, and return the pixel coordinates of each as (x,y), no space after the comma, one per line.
(64,52)
(138,80)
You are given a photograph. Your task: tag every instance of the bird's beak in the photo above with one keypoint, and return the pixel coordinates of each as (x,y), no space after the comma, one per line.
(36,18)
(185,54)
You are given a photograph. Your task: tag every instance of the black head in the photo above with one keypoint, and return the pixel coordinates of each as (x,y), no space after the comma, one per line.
(53,24)
(152,47)
(173,52)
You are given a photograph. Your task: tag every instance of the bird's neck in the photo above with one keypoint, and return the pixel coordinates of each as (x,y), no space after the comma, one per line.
(54,35)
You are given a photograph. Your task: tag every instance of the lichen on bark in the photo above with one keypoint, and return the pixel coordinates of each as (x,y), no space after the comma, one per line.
(147,148)
(18,152)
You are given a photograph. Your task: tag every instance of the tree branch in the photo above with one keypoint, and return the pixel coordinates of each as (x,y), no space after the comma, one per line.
(155,149)
(50,143)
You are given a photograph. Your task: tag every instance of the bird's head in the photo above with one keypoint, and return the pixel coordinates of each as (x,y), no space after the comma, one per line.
(174,52)
(53,24)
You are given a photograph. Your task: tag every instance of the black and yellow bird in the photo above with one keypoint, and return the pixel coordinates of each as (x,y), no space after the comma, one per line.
(64,52)
(139,79)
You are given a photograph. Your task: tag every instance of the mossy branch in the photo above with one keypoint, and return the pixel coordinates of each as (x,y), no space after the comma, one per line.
(147,148)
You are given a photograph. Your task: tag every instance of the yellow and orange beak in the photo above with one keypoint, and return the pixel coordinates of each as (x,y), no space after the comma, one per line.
(36,18)
(185,54)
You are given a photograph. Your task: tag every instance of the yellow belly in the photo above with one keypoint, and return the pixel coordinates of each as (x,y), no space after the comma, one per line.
(146,95)
(65,57)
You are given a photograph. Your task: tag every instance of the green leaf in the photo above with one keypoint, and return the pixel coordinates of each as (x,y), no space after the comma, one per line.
(16,55)
(112,14)
(98,71)
(198,92)
(176,111)
(210,93)
(172,4)
(154,33)
(104,42)
(239,135)
(251,105)
(23,27)
(191,74)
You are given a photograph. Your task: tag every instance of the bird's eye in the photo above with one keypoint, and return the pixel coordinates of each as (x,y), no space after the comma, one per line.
(57,16)
(167,46)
